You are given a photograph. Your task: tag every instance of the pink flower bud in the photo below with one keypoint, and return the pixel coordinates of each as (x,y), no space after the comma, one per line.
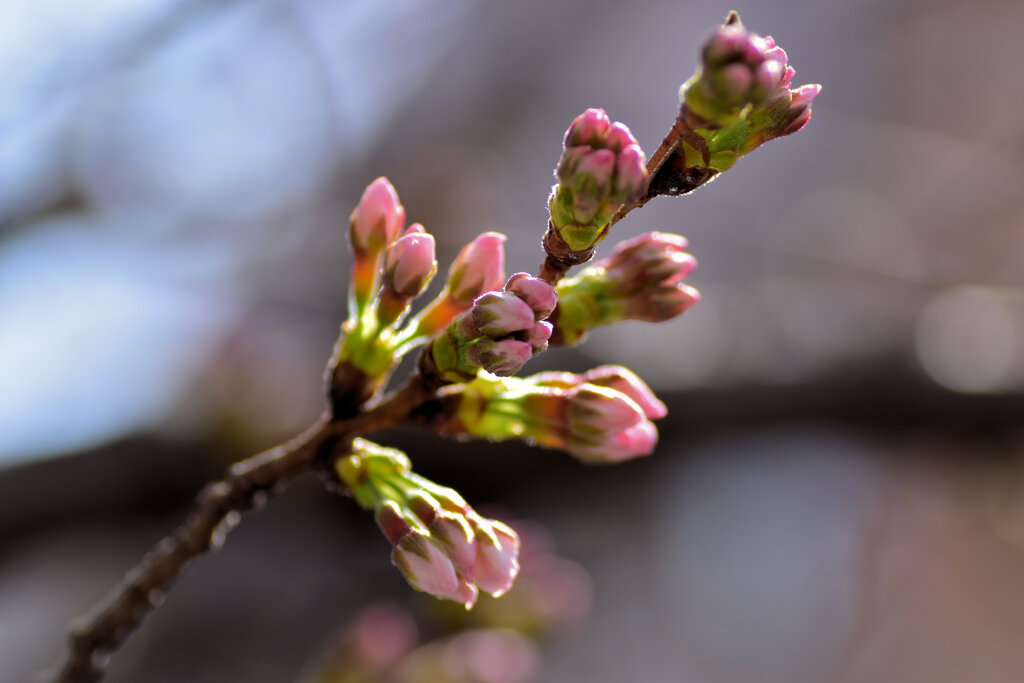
(425,565)
(587,128)
(626,381)
(478,268)
(538,294)
(594,173)
(504,357)
(392,522)
(630,174)
(769,75)
(627,444)
(619,137)
(570,161)
(539,335)
(804,95)
(409,262)
(594,409)
(496,314)
(456,535)
(638,440)
(497,557)
(377,219)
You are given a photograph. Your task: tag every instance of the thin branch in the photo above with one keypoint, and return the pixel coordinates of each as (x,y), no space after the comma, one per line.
(218,509)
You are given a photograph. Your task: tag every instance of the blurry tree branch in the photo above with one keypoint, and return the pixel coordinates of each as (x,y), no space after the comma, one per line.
(217,511)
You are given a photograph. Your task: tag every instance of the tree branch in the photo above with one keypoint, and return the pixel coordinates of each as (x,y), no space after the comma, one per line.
(218,509)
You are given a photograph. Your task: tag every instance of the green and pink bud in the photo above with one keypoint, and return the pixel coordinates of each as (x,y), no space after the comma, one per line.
(739,99)
(479,268)
(595,423)
(642,279)
(499,333)
(602,167)
(409,266)
(633,442)
(497,556)
(439,543)
(378,218)
(373,225)
(409,263)
(426,566)
(626,381)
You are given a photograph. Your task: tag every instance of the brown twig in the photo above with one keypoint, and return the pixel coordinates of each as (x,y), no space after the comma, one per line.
(218,507)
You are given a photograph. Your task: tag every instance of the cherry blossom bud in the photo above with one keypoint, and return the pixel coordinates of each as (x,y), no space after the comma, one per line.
(409,262)
(497,314)
(630,174)
(626,381)
(538,294)
(539,335)
(456,535)
(599,410)
(632,442)
(642,279)
(497,558)
(589,128)
(499,333)
(425,565)
(502,357)
(478,268)
(597,424)
(739,99)
(602,167)
(377,219)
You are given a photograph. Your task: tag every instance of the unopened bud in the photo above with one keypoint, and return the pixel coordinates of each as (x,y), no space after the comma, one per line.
(599,410)
(478,268)
(496,314)
(642,279)
(497,557)
(626,381)
(538,294)
(502,357)
(425,565)
(377,219)
(632,442)
(602,167)
(409,262)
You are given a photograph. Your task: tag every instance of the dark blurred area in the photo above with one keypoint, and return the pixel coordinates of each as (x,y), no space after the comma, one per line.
(838,494)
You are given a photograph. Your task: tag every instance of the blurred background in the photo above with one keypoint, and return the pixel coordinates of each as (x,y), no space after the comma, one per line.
(839,490)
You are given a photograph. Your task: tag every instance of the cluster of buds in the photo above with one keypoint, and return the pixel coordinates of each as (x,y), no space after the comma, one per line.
(481,329)
(440,544)
(602,167)
(642,279)
(602,416)
(499,333)
(390,269)
(739,99)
